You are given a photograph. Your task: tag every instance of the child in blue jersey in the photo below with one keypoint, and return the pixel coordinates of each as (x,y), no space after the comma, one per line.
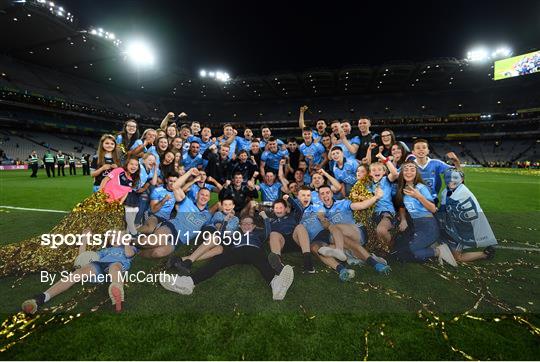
(112,260)
(314,153)
(344,169)
(416,198)
(431,169)
(271,157)
(144,144)
(384,212)
(184,227)
(338,216)
(248,251)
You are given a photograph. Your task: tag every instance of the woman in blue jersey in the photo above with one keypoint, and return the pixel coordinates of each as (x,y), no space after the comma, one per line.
(415,197)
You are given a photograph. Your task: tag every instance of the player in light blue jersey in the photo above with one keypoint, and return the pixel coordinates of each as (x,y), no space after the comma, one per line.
(341,224)
(314,153)
(416,198)
(190,218)
(205,139)
(193,157)
(220,227)
(344,169)
(345,142)
(229,138)
(384,212)
(431,170)
(271,157)
(270,189)
(320,125)
(244,143)
(265,139)
(192,187)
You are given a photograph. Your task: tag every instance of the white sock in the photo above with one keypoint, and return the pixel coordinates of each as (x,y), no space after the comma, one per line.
(47,297)
(131,214)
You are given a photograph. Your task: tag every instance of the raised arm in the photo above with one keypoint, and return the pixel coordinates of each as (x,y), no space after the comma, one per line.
(361,205)
(166,121)
(352,148)
(455,160)
(301,121)
(392,171)
(335,185)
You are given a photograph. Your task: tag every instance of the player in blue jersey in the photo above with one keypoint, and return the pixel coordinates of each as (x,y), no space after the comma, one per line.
(193,157)
(270,189)
(344,168)
(431,170)
(339,216)
(265,139)
(320,126)
(162,202)
(416,198)
(220,227)
(271,157)
(205,139)
(384,213)
(244,143)
(228,138)
(314,153)
(192,186)
(190,218)
(348,144)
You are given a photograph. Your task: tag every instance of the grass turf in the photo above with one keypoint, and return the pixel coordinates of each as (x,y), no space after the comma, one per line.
(232,315)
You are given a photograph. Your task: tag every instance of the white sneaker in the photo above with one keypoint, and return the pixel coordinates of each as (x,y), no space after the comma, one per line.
(332,252)
(281,283)
(446,255)
(166,281)
(184,285)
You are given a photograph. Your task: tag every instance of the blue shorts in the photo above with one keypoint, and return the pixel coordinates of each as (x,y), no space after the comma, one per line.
(322,237)
(95,188)
(102,268)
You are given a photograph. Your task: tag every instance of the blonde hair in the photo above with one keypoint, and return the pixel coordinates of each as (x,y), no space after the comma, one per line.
(379,164)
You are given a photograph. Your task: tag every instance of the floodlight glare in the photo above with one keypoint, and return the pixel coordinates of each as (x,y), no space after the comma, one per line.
(140,54)
(478,55)
(502,52)
(203,73)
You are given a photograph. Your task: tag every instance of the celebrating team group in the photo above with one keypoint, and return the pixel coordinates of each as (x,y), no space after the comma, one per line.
(341,194)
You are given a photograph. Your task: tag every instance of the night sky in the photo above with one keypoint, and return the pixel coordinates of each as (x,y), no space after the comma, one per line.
(253,38)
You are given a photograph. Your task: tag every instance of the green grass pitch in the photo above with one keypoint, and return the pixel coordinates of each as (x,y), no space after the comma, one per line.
(487,310)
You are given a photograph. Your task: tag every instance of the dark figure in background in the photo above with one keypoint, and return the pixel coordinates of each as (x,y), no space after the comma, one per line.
(49,161)
(61,162)
(72,160)
(33,163)
(85,162)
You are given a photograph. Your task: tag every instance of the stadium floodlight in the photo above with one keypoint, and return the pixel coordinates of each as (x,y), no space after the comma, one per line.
(211,74)
(140,53)
(480,54)
(502,52)
(217,75)
(202,73)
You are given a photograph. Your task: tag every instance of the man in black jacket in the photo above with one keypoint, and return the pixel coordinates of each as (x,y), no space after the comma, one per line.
(219,164)
(239,191)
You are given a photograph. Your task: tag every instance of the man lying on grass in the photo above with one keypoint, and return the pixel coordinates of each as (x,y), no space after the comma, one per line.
(247,251)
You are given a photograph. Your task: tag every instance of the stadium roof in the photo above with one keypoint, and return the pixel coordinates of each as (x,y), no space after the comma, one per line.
(38,35)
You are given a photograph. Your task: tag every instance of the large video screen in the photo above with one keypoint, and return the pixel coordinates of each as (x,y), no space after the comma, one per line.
(518,65)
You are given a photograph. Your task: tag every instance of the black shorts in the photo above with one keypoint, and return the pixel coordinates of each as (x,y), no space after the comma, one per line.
(322,237)
(290,245)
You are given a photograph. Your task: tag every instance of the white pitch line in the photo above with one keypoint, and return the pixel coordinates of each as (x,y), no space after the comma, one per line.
(517,248)
(30,209)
